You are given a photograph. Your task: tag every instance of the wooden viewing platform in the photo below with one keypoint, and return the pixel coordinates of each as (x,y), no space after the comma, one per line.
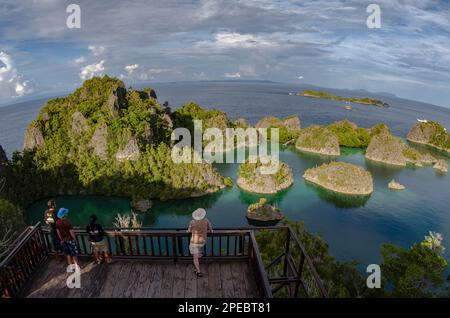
(155,262)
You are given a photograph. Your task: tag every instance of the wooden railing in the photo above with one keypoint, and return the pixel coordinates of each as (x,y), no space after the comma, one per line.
(292,273)
(283,276)
(22,261)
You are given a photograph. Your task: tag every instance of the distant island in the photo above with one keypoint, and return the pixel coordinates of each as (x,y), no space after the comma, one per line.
(325,95)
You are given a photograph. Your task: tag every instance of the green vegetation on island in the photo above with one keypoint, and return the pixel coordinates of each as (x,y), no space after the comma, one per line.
(389,149)
(417,271)
(105,140)
(252,177)
(430,133)
(263,212)
(325,95)
(289,127)
(318,139)
(341,177)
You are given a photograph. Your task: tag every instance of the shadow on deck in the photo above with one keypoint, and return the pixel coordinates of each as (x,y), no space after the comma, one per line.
(155,262)
(145,279)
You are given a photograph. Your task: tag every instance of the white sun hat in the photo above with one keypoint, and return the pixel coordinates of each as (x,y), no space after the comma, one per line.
(199,214)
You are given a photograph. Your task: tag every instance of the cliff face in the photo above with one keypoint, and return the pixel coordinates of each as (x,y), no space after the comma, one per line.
(341,177)
(430,133)
(392,150)
(104,139)
(320,140)
(251,178)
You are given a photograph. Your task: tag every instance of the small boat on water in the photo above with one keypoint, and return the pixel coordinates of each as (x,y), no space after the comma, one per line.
(348,106)
(422,120)
(291,94)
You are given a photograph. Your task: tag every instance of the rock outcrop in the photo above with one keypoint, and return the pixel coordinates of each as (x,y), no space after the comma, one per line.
(432,134)
(99,142)
(241,123)
(341,177)
(141,205)
(320,140)
(253,177)
(394,185)
(392,150)
(33,138)
(269,121)
(292,123)
(441,165)
(264,212)
(117,99)
(130,152)
(79,123)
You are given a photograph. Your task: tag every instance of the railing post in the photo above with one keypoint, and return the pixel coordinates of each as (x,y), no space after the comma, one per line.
(287,251)
(174,247)
(299,274)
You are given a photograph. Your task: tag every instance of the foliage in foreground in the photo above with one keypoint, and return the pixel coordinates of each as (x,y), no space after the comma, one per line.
(414,272)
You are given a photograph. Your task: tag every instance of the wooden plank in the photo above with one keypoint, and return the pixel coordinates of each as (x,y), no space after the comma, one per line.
(114,275)
(202,282)
(179,280)
(191,282)
(154,290)
(138,281)
(237,272)
(250,283)
(168,274)
(131,279)
(214,281)
(121,282)
(227,281)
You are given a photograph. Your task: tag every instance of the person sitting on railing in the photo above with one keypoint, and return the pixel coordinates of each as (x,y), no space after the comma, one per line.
(50,217)
(96,237)
(198,227)
(67,236)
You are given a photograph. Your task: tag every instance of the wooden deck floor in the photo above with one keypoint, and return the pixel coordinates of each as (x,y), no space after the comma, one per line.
(145,279)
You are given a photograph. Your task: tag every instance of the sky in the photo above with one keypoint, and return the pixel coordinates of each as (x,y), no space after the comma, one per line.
(324,42)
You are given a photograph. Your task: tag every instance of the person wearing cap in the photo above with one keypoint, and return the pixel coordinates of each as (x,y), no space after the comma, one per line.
(96,237)
(67,236)
(199,227)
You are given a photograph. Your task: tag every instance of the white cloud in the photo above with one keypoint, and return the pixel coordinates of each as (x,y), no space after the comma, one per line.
(11,83)
(131,68)
(233,39)
(232,75)
(97,50)
(79,60)
(92,70)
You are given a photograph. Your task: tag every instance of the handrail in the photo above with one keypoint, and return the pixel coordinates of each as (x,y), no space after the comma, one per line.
(20,241)
(312,268)
(267,292)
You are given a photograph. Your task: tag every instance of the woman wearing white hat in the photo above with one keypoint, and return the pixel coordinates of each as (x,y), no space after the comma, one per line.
(199,227)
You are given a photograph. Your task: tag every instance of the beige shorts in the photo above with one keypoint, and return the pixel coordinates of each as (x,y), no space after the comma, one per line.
(99,247)
(196,248)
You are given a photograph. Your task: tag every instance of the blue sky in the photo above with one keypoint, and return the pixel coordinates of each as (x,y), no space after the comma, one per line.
(324,42)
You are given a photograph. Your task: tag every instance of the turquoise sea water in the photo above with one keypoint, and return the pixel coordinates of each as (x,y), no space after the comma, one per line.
(354,229)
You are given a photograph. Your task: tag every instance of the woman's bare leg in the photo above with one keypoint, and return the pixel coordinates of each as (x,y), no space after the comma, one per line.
(196,262)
